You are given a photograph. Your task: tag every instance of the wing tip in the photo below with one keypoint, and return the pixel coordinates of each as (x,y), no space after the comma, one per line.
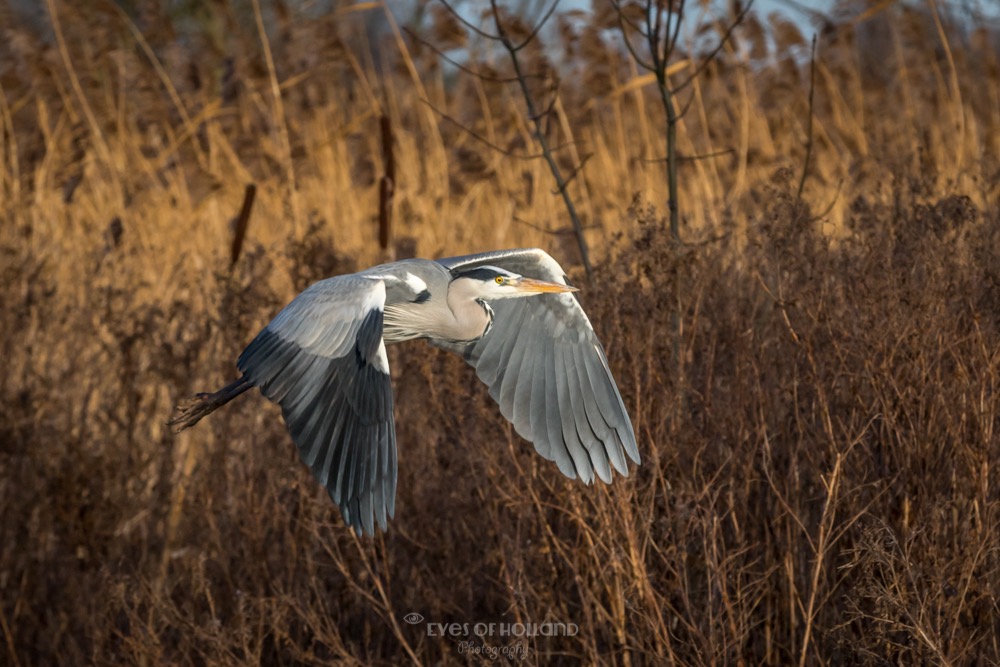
(363,521)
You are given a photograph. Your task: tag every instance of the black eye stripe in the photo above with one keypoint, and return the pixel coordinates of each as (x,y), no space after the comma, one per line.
(480,273)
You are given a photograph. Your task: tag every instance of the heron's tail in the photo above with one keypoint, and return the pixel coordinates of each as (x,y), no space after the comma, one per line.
(205,404)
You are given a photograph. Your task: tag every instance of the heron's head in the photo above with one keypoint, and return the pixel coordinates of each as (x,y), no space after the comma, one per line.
(491,282)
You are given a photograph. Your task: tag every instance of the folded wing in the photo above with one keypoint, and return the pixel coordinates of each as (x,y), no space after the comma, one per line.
(547,371)
(323,360)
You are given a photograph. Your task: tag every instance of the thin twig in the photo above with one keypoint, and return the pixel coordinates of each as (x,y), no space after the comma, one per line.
(687,106)
(543,142)
(464,68)
(376,580)
(622,17)
(461,19)
(677,30)
(718,47)
(822,546)
(483,140)
(553,98)
(573,174)
(809,130)
(9,637)
(628,44)
(538,26)
(833,201)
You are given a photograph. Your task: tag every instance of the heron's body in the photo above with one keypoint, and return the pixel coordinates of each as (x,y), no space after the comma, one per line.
(425,283)
(323,360)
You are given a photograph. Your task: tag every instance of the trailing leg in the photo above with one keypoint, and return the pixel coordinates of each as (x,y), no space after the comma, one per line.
(204,404)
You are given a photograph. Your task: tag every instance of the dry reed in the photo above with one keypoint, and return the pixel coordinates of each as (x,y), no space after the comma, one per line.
(826,494)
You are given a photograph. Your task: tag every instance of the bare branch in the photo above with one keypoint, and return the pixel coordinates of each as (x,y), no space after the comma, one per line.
(829,207)
(572,174)
(628,43)
(543,142)
(622,17)
(687,107)
(654,36)
(478,31)
(538,26)
(553,97)
(809,131)
(718,47)
(483,140)
(677,31)
(465,68)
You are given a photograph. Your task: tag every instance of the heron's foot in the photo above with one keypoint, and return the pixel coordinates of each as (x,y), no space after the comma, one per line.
(192,412)
(204,404)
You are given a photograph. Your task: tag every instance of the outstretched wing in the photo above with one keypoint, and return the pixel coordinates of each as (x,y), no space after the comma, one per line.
(322,359)
(547,371)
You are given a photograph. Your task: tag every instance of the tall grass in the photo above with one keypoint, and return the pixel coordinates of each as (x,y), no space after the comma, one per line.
(827,496)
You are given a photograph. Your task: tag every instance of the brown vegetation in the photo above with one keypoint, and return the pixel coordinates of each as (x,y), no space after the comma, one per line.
(821,490)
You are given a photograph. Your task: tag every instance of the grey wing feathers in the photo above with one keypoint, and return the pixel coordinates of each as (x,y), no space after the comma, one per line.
(322,359)
(548,372)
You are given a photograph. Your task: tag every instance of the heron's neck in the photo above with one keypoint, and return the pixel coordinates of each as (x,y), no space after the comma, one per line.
(472,316)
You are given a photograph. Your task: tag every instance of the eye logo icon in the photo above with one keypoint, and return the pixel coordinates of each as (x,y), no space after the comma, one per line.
(413,618)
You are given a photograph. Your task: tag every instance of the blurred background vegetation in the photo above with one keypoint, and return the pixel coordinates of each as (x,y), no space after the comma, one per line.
(819,433)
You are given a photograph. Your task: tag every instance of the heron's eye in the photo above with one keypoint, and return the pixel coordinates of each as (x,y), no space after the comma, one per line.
(499,280)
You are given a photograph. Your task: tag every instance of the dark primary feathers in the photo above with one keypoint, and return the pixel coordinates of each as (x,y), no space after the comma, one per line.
(323,360)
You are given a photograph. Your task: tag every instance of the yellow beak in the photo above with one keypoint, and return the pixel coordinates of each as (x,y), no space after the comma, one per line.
(540,286)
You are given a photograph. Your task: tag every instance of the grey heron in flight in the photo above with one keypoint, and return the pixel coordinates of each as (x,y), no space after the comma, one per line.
(323,360)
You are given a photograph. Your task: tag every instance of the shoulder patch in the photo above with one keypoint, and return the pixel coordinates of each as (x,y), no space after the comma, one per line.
(415,283)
